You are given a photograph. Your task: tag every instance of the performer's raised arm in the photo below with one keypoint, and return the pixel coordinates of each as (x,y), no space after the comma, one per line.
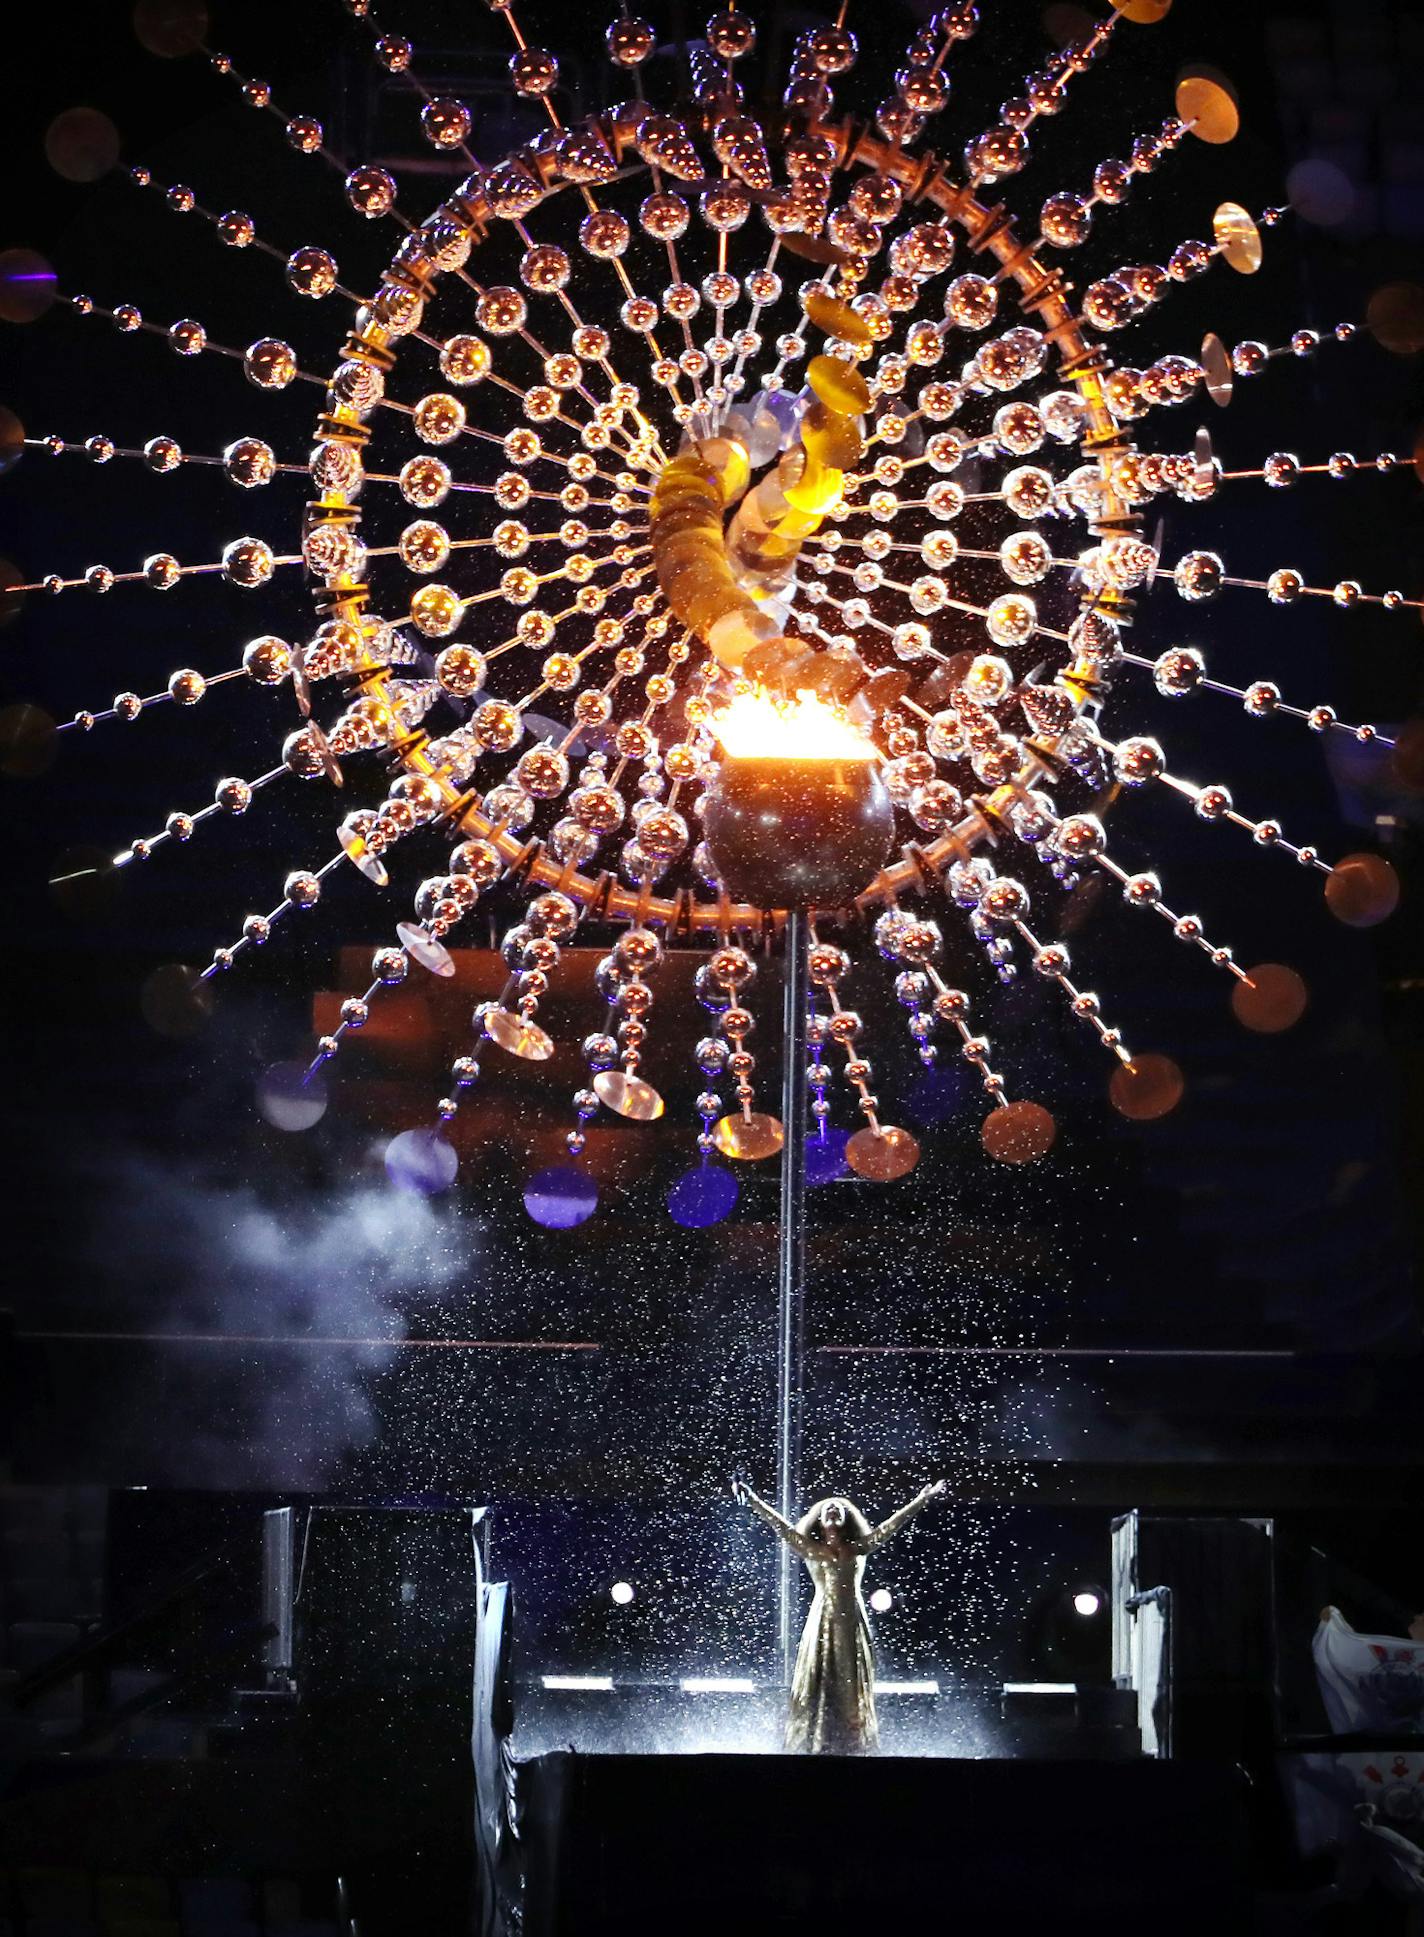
(743,1495)
(907,1512)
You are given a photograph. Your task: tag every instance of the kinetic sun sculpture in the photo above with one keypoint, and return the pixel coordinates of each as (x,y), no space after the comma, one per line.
(720,523)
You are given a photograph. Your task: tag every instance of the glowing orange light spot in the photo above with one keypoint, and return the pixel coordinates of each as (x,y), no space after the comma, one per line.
(754,726)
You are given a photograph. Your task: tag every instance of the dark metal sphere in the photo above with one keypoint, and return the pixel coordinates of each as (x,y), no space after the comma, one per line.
(798,833)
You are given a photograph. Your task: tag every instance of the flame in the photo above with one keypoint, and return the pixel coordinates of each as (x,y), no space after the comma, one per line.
(754,726)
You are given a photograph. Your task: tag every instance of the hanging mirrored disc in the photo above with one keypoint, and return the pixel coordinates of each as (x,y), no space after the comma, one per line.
(1272,998)
(301,685)
(331,766)
(1208,106)
(703,1196)
(882,1155)
(354,847)
(422,947)
(1148,1087)
(291,1097)
(1204,458)
(627,1095)
(1361,890)
(518,1035)
(421,1160)
(560,1197)
(748,1138)
(1215,361)
(1018,1133)
(1237,237)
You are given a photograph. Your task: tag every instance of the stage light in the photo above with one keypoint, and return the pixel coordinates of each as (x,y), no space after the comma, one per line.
(622,1592)
(568,1684)
(882,1600)
(1087,1602)
(717,1685)
(1039,1688)
(907,1688)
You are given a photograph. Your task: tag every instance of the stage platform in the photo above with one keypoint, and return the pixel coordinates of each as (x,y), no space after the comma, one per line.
(633,1844)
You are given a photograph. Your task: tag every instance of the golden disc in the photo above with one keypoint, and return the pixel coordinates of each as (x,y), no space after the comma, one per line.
(1018,1133)
(1362,889)
(749,1138)
(811,248)
(1146,1088)
(1216,365)
(1145,12)
(882,1154)
(628,1095)
(518,1035)
(1238,238)
(1272,998)
(1208,106)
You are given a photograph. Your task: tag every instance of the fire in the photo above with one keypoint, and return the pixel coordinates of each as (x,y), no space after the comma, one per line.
(754,726)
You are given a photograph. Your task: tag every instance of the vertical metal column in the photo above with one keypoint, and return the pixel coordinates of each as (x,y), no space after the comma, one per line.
(791,1275)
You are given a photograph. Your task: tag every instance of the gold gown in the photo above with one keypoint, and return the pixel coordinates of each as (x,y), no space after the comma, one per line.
(833,1688)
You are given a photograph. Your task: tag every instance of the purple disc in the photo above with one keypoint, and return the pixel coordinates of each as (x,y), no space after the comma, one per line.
(703,1196)
(561,1197)
(825,1155)
(421,1160)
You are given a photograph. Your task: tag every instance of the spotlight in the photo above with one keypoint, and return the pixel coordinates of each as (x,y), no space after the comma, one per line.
(567,1684)
(622,1592)
(717,1685)
(882,1600)
(1087,1602)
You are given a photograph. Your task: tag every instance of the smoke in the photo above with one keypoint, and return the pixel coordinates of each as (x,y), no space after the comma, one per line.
(264,1319)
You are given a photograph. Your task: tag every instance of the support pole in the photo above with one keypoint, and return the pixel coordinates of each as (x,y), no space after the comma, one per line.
(791,1275)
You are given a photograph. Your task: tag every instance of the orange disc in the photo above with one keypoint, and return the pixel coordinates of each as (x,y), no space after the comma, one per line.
(1018,1133)
(1361,890)
(81,144)
(170,28)
(1271,999)
(882,1155)
(749,1138)
(1394,316)
(1146,1088)
(1206,102)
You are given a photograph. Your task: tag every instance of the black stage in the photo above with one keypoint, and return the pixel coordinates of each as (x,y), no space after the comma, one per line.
(629,1844)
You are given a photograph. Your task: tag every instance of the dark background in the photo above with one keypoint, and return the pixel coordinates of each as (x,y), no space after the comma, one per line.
(1215,1310)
